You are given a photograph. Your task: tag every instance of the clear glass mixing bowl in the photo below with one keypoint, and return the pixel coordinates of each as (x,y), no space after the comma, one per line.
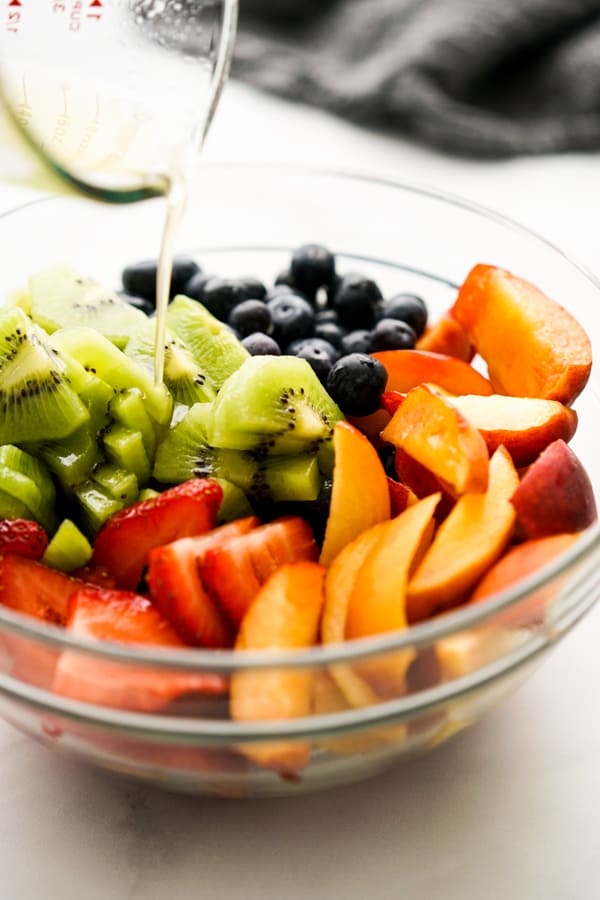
(246,220)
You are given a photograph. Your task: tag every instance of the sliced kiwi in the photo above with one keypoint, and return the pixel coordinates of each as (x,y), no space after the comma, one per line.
(125,449)
(127,408)
(28,481)
(185,453)
(148,494)
(182,374)
(273,404)
(13,508)
(235,503)
(95,505)
(98,356)
(69,549)
(214,347)
(62,298)
(36,400)
(118,483)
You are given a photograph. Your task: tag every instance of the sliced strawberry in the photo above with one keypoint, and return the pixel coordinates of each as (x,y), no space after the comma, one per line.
(127,618)
(36,590)
(23,538)
(98,575)
(123,544)
(234,571)
(176,587)
(391,400)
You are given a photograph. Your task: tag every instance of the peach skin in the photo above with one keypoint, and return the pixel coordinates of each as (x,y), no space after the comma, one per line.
(467,543)
(449,337)
(436,434)
(502,314)
(408,368)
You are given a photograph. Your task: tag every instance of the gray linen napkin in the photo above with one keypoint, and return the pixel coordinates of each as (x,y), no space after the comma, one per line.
(475,77)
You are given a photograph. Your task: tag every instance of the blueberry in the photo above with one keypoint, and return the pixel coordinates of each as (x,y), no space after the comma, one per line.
(139,302)
(259,344)
(357,301)
(312,267)
(359,341)
(387,455)
(408,308)
(250,316)
(254,287)
(392,334)
(282,290)
(285,279)
(329,331)
(194,288)
(356,383)
(221,295)
(327,315)
(293,317)
(320,354)
(139,278)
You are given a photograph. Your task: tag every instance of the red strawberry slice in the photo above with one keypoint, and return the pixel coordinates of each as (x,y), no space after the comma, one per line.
(36,590)
(22,537)
(97,575)
(128,618)
(176,588)
(234,571)
(391,401)
(123,543)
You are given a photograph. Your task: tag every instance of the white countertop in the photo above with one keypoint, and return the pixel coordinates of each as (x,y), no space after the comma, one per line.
(509,809)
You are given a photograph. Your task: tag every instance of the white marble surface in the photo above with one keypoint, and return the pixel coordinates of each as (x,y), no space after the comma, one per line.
(509,809)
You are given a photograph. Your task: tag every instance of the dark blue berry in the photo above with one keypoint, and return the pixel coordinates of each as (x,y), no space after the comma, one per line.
(254,287)
(221,295)
(259,344)
(146,306)
(194,288)
(357,301)
(292,316)
(356,383)
(329,331)
(320,354)
(250,316)
(359,341)
(327,315)
(282,290)
(387,455)
(392,334)
(312,267)
(139,278)
(408,308)
(284,279)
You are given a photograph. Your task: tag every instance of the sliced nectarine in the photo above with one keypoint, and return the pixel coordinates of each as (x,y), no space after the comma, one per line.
(533,347)
(435,433)
(371,425)
(555,495)
(449,337)
(359,497)
(408,368)
(422,482)
(401,496)
(467,543)
(524,425)
(461,654)
(285,615)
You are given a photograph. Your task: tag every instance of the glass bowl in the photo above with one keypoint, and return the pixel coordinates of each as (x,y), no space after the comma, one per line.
(245,220)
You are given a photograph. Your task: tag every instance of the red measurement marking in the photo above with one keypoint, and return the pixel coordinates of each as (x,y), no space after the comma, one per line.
(96,3)
(15,3)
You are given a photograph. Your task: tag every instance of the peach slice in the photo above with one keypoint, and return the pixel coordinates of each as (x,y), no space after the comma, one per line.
(401,496)
(421,482)
(409,368)
(518,563)
(449,337)
(372,425)
(284,616)
(435,433)
(524,425)
(360,497)
(555,495)
(533,347)
(467,543)
(463,653)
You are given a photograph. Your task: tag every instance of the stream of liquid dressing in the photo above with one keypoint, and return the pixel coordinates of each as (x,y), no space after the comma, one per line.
(112,99)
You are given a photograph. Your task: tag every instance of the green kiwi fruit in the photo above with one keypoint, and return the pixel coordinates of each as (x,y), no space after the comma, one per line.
(148,494)
(95,506)
(118,483)
(185,453)
(125,449)
(13,508)
(98,356)
(235,503)
(36,400)
(127,408)
(182,374)
(214,347)
(28,481)
(68,549)
(59,297)
(273,404)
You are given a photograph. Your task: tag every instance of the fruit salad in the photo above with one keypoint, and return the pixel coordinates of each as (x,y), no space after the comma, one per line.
(321,464)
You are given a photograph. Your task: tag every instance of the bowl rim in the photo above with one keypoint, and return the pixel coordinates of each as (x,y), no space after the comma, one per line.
(419,635)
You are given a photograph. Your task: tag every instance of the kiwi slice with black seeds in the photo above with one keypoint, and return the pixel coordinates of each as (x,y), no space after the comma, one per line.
(36,399)
(28,481)
(273,405)
(59,297)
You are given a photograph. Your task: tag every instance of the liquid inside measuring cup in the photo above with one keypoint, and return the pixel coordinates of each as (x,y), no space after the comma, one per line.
(113,99)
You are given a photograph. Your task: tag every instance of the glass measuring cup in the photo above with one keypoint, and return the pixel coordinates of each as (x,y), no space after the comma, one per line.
(113,96)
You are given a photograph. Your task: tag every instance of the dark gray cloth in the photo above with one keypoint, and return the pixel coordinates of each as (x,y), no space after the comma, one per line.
(475,77)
